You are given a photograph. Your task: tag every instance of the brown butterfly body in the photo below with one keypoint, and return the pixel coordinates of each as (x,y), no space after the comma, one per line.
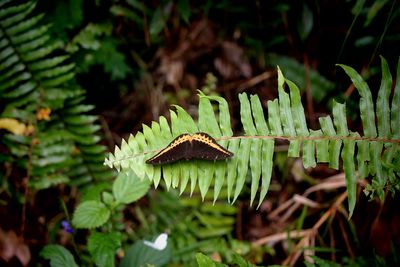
(186,146)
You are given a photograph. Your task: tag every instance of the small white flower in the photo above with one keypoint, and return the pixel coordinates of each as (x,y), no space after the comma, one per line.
(160,243)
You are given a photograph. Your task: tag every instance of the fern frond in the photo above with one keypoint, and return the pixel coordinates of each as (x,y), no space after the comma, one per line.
(254,150)
(63,145)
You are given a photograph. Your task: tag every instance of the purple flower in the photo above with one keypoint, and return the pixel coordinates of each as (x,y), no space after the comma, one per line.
(67,227)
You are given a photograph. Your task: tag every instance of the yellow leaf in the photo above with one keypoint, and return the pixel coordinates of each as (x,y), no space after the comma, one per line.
(13,126)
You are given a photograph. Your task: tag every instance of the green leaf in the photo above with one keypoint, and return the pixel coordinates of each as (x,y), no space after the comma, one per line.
(67,15)
(305,25)
(207,121)
(107,55)
(44,182)
(24,25)
(366,103)
(295,71)
(363,157)
(350,172)
(5,12)
(34,44)
(90,214)
(237,259)
(297,108)
(205,261)
(128,187)
(103,247)
(58,256)
(23,11)
(395,116)
(322,147)
(47,63)
(274,118)
(374,10)
(31,34)
(157,22)
(140,254)
(184,10)
(245,115)
(309,154)
(121,11)
(334,145)
(243,157)
(286,117)
(382,103)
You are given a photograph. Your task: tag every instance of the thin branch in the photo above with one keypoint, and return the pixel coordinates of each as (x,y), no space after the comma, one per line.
(292,205)
(308,235)
(281,236)
(346,239)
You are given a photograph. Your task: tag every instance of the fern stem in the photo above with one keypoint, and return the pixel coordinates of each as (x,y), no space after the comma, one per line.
(311,138)
(288,138)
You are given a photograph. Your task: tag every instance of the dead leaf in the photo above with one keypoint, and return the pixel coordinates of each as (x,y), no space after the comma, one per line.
(11,245)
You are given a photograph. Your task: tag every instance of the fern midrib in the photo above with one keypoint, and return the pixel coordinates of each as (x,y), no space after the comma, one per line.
(287,138)
(311,138)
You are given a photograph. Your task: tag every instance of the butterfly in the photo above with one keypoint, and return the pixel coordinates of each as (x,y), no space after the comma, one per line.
(191,146)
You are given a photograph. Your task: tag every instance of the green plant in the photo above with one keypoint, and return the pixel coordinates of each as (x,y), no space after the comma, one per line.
(102,210)
(50,138)
(60,143)
(286,120)
(193,225)
(152,19)
(204,261)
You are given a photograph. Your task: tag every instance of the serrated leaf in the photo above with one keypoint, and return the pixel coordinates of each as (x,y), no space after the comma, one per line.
(58,256)
(103,246)
(90,214)
(128,187)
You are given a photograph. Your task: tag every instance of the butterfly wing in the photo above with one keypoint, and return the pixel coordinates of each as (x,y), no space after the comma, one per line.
(175,151)
(205,147)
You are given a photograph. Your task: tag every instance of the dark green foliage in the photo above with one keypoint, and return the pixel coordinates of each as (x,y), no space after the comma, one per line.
(59,144)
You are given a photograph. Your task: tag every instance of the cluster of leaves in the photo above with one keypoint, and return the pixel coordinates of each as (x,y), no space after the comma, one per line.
(204,261)
(158,16)
(377,151)
(193,225)
(58,141)
(96,211)
(89,40)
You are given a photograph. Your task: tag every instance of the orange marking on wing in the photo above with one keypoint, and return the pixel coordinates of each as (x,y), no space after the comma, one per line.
(210,142)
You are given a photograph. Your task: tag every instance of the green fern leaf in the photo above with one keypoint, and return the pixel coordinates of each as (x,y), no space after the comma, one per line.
(253,152)
(62,146)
